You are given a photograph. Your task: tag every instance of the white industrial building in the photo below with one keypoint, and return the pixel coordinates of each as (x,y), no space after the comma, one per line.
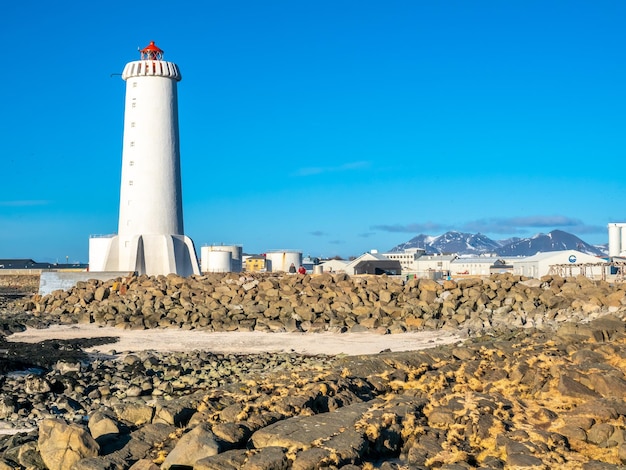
(433,266)
(150,238)
(334,266)
(407,258)
(416,261)
(479,266)
(373,263)
(565,263)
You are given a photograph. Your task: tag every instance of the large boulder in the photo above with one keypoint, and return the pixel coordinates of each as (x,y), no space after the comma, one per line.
(197,444)
(62,445)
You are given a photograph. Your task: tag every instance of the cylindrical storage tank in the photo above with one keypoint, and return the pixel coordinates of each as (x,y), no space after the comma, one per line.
(622,246)
(318,269)
(236,252)
(615,239)
(281,260)
(204,259)
(219,262)
(237,256)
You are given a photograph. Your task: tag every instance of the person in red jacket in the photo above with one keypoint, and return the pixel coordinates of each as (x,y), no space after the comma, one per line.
(301,270)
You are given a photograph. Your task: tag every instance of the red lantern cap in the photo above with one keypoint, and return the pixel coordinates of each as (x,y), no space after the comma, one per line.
(151,52)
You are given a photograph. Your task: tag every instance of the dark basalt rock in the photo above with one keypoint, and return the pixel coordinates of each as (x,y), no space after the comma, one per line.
(16,356)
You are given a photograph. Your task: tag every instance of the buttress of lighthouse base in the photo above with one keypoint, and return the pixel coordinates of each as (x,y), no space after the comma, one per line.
(144,254)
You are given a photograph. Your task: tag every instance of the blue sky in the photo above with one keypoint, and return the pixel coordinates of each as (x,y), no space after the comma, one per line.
(332,127)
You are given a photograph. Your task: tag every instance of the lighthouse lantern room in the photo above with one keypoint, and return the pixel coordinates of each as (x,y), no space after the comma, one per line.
(151,52)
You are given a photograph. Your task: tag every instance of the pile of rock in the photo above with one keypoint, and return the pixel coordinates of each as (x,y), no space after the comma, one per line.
(328,302)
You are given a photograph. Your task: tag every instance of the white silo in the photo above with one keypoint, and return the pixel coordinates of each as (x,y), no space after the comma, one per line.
(219,262)
(280,260)
(615,239)
(150,237)
(214,263)
(237,264)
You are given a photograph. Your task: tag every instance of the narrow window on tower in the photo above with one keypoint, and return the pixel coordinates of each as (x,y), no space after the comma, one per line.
(132,143)
(133,104)
(130,183)
(134,84)
(132,124)
(131,163)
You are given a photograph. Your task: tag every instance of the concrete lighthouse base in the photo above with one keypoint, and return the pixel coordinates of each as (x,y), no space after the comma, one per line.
(145,254)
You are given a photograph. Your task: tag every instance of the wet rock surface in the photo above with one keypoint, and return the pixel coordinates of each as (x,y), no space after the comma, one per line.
(538,383)
(21,356)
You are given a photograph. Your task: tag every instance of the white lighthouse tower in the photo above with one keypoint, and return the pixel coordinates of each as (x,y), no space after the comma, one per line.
(150,237)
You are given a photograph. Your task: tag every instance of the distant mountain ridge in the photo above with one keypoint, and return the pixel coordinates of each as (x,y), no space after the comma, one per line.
(479,244)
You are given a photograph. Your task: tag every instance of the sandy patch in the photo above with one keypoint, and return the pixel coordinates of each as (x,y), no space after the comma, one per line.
(172,340)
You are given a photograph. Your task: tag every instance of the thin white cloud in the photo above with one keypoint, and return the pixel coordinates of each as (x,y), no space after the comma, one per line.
(309,171)
(24,203)
(318,170)
(413,228)
(354,166)
(542,221)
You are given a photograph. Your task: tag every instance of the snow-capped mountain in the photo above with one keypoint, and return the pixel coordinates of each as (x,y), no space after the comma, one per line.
(452,242)
(477,244)
(554,241)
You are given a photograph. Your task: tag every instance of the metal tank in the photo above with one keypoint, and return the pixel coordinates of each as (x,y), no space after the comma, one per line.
(219,262)
(280,260)
(615,239)
(208,261)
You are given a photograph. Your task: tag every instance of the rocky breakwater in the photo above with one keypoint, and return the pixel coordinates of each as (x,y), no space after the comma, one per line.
(338,303)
